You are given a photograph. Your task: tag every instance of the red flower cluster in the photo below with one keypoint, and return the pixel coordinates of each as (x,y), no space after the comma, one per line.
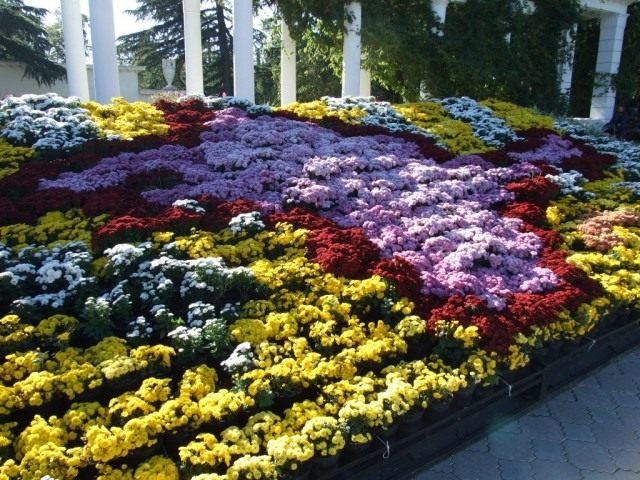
(220,212)
(591,164)
(526,211)
(117,200)
(129,228)
(531,139)
(537,190)
(344,252)
(299,218)
(401,274)
(186,120)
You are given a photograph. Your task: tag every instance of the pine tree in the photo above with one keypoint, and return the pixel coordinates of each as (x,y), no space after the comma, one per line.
(23,38)
(166,40)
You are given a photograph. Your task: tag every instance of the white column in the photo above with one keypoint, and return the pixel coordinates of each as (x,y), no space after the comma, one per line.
(566,65)
(192,47)
(74,49)
(351,49)
(365,83)
(439,9)
(105,59)
(243,76)
(603,101)
(288,85)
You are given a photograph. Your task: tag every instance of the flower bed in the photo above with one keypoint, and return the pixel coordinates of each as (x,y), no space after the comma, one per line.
(216,290)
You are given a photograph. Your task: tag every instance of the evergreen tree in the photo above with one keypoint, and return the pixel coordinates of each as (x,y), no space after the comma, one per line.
(166,40)
(23,38)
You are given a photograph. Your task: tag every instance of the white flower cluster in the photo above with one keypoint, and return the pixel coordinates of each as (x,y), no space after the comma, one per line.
(199,312)
(189,205)
(241,360)
(249,223)
(154,288)
(378,114)
(39,278)
(205,330)
(219,103)
(123,256)
(139,328)
(570,183)
(490,129)
(49,123)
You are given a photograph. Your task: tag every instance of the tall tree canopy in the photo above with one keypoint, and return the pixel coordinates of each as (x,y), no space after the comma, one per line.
(166,39)
(490,48)
(23,38)
(628,79)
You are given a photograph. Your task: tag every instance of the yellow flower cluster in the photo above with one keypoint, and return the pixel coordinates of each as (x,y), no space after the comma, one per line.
(52,228)
(6,434)
(40,450)
(249,467)
(40,377)
(157,468)
(80,416)
(432,381)
(518,118)
(456,135)
(20,365)
(326,434)
(481,367)
(289,451)
(198,382)
(569,325)
(14,334)
(127,119)
(319,110)
(11,157)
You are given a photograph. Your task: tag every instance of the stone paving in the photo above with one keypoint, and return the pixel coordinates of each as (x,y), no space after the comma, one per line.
(588,431)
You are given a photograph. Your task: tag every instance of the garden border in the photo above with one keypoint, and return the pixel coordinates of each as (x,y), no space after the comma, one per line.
(405,453)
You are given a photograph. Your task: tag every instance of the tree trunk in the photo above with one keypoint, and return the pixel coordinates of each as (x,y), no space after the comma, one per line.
(225,49)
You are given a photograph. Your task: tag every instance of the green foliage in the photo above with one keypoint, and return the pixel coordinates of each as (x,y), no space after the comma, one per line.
(584,67)
(23,38)
(628,79)
(403,46)
(166,39)
(56,37)
(493,48)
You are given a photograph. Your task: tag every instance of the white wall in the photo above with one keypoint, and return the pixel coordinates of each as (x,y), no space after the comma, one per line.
(13,83)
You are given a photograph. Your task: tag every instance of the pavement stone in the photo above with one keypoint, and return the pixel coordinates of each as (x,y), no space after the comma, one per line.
(613,381)
(589,475)
(572,412)
(604,415)
(590,431)
(514,469)
(475,466)
(433,475)
(626,399)
(625,475)
(547,470)
(510,446)
(548,450)
(629,417)
(595,396)
(547,428)
(574,431)
(589,456)
(626,459)
(615,436)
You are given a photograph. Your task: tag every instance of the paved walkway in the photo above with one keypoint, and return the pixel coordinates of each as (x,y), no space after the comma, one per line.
(589,431)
